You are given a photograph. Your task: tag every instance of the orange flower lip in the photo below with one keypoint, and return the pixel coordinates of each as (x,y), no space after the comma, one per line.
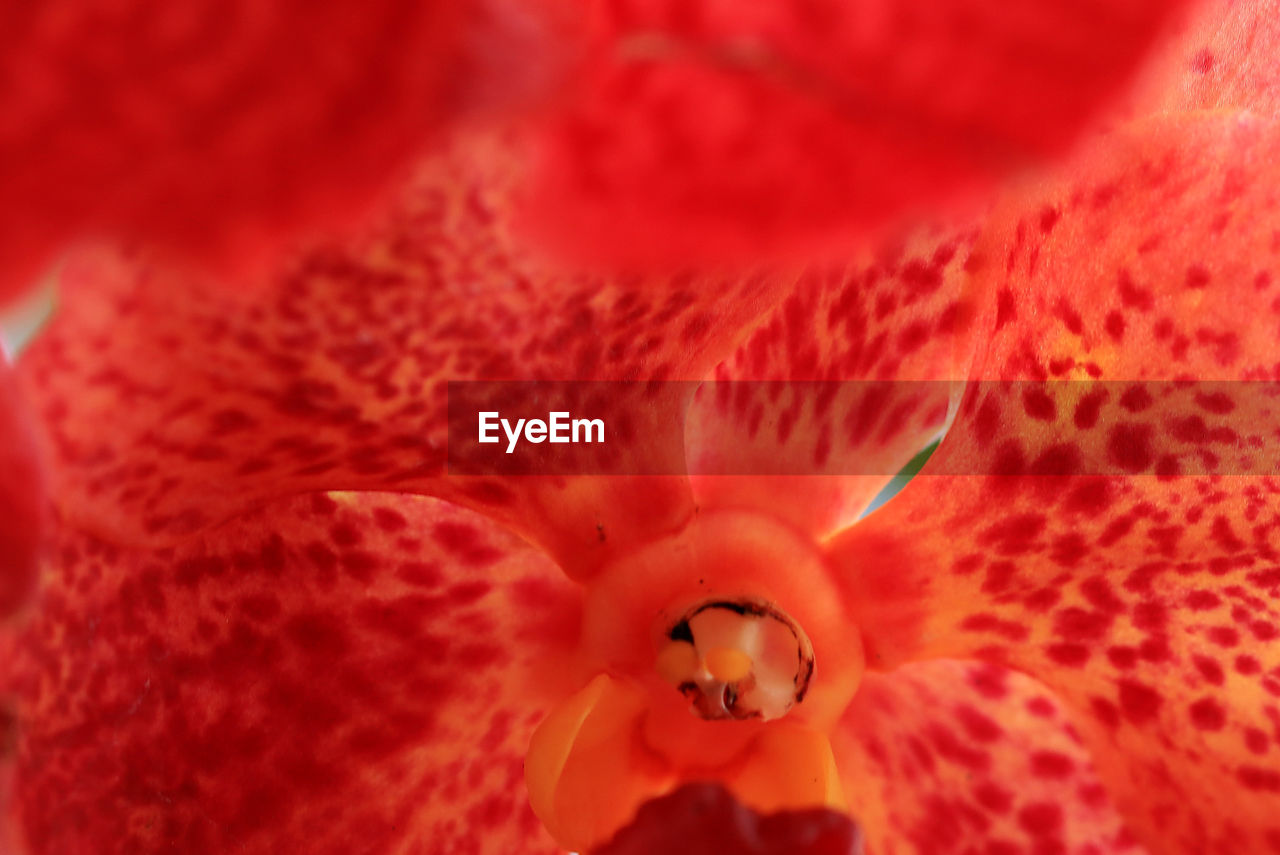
(775,644)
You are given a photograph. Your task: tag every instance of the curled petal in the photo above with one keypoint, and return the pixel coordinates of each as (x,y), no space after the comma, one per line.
(1051,536)
(22,498)
(840,386)
(714,131)
(169,410)
(222,130)
(331,674)
(950,757)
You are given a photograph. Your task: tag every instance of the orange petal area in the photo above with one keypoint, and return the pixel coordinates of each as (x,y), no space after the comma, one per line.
(170,410)
(710,130)
(322,676)
(815,412)
(22,498)
(1148,602)
(586,770)
(590,766)
(788,768)
(946,757)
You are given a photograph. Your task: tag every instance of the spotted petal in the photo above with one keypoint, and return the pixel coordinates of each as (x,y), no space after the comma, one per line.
(170,410)
(948,757)
(336,673)
(1223,57)
(717,130)
(839,387)
(22,498)
(221,130)
(1057,534)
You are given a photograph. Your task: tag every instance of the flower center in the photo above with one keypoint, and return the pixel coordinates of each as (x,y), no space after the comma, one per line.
(714,611)
(737,659)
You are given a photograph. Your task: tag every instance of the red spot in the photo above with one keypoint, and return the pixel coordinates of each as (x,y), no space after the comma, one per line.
(1040,818)
(1138,702)
(993,798)
(1197,277)
(978,726)
(1206,714)
(345,534)
(1254,778)
(1006,307)
(1202,600)
(986,421)
(1209,669)
(1048,219)
(1087,410)
(1041,707)
(389,520)
(1068,655)
(1224,636)
(1114,325)
(1105,711)
(1129,447)
(998,577)
(1090,498)
(1255,740)
(1247,665)
(1133,296)
(1122,657)
(988,681)
(1077,624)
(1098,592)
(1038,405)
(1051,764)
(1263,631)
(1136,399)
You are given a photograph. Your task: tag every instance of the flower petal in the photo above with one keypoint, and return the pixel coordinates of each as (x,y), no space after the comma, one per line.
(951,757)
(839,387)
(22,499)
(712,130)
(222,131)
(1226,57)
(335,673)
(1150,601)
(170,410)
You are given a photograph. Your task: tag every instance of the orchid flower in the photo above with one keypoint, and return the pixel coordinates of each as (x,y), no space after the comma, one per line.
(273,620)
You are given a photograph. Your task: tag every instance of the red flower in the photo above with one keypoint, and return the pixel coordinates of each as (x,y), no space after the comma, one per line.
(254,637)
(224,131)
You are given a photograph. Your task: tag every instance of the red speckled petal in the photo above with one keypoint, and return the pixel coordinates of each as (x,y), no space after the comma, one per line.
(333,674)
(1150,602)
(705,819)
(946,757)
(169,410)
(826,385)
(22,498)
(717,130)
(1226,57)
(221,130)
